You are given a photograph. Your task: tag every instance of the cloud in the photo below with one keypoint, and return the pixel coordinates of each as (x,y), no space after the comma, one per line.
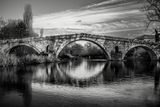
(107,2)
(105,17)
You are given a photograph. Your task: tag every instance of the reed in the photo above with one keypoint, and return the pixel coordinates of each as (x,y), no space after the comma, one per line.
(11,60)
(8,60)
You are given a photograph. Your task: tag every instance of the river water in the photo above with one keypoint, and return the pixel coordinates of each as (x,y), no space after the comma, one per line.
(81,83)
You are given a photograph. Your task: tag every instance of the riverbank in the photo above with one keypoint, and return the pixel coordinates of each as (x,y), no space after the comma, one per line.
(12,60)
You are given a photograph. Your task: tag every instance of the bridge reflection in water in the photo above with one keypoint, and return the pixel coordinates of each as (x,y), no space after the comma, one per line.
(81,82)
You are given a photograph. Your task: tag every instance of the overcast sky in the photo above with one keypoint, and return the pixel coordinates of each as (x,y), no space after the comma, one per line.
(121,18)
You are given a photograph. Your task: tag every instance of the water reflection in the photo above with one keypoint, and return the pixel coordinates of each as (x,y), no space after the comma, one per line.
(83,70)
(141,67)
(157,79)
(17,82)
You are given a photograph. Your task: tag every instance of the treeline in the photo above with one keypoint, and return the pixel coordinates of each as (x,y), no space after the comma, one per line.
(14,29)
(77,50)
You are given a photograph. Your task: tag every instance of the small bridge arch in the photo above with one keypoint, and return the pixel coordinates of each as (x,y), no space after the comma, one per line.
(150,51)
(61,47)
(21,45)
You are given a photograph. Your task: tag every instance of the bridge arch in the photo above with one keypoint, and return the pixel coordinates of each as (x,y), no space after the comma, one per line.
(151,52)
(8,52)
(89,40)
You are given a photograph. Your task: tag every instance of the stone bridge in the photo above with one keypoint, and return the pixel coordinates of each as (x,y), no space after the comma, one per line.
(55,44)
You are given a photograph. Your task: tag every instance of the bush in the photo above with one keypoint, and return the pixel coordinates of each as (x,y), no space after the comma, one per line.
(15,29)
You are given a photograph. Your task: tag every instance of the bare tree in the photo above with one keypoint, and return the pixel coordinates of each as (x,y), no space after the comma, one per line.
(28,17)
(2,22)
(152,9)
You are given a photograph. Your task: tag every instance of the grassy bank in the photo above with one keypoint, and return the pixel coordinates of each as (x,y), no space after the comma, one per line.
(26,60)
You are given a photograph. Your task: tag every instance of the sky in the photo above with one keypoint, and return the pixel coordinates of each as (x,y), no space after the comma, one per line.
(122,18)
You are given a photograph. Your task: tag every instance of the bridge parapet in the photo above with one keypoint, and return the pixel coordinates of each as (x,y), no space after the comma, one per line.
(84,35)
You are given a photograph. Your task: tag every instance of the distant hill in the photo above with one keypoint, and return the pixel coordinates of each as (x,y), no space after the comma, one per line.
(146,37)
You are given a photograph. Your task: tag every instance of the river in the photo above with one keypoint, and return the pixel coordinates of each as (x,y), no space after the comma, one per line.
(81,83)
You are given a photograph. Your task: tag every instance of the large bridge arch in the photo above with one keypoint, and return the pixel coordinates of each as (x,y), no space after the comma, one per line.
(18,45)
(150,51)
(61,47)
